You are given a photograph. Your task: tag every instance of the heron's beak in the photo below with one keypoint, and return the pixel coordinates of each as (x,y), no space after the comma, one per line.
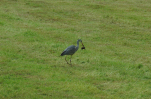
(83,46)
(82,43)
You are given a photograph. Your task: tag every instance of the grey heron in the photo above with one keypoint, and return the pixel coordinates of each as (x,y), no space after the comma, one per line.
(71,50)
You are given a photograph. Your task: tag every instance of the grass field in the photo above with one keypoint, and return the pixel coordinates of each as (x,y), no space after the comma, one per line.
(115,65)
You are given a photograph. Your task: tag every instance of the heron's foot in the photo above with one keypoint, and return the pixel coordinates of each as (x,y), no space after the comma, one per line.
(69,63)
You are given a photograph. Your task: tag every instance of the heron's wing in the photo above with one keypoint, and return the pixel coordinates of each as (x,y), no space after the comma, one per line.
(69,50)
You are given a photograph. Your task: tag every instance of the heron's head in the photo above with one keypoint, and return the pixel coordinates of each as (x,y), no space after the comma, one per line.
(79,40)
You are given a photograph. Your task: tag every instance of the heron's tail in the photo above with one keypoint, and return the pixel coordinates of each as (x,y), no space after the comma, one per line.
(63,53)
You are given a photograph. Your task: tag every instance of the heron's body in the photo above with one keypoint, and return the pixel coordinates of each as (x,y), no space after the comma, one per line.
(71,50)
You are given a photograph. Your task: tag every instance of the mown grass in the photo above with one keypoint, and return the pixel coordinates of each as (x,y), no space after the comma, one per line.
(115,64)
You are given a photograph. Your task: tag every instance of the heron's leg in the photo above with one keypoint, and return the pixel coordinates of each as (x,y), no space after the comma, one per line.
(70,59)
(66,60)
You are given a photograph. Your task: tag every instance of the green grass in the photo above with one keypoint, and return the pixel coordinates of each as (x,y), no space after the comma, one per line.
(116,62)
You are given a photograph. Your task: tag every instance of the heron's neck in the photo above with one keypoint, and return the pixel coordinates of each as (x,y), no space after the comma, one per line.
(77,45)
